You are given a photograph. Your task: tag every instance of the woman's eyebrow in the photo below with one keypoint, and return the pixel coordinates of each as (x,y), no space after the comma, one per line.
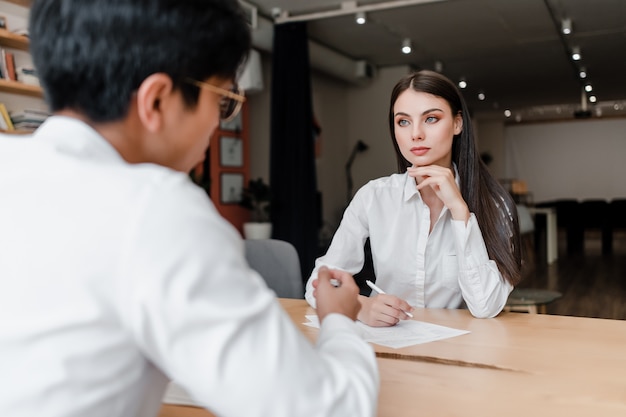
(431,110)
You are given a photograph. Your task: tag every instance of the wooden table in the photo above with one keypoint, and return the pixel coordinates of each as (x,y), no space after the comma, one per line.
(517,364)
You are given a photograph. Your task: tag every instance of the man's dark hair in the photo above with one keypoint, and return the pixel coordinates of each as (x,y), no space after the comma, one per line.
(92,55)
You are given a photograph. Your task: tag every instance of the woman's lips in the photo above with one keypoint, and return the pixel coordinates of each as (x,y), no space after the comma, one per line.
(419,151)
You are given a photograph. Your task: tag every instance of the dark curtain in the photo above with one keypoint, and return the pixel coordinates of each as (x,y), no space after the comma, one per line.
(295,203)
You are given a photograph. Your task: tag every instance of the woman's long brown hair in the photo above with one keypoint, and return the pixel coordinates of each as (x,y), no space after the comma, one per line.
(490,202)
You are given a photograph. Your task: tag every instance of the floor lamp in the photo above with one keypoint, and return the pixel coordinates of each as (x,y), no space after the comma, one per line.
(360,146)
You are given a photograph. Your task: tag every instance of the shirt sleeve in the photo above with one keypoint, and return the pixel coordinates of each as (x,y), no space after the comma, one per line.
(484,289)
(346,251)
(200,314)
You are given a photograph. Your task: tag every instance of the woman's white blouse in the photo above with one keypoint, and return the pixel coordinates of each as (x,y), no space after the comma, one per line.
(448,268)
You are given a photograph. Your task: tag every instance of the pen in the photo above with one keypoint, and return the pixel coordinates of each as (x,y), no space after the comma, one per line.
(380,291)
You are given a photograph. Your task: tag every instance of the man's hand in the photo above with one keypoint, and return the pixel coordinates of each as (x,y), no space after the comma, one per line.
(339,296)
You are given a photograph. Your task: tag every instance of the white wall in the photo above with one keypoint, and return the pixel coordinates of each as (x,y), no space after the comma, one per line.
(490,138)
(367,118)
(581,159)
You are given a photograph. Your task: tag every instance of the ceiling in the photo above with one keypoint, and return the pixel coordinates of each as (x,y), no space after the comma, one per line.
(510,50)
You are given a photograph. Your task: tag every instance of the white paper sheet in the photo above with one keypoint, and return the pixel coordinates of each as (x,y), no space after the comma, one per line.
(405,333)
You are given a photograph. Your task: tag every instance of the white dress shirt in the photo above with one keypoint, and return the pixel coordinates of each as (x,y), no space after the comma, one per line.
(448,268)
(115,278)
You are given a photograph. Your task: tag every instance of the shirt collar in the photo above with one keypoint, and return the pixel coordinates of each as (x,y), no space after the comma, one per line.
(409,184)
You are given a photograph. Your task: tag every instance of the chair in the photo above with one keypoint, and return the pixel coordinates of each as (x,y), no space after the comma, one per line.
(530,300)
(617,209)
(595,214)
(278,263)
(568,217)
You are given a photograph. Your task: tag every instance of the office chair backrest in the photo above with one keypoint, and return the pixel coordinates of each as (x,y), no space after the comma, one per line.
(278,263)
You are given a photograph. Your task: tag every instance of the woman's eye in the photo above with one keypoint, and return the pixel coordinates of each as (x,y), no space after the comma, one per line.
(403,122)
(431,119)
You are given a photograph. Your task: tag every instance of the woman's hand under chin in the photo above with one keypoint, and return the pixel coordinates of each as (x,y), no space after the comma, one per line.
(441,181)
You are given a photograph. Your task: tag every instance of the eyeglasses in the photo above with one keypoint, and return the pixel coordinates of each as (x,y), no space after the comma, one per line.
(231,102)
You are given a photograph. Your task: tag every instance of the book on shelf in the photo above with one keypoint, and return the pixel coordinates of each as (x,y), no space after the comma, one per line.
(3,64)
(27,75)
(10,64)
(5,116)
(21,32)
(3,124)
(7,65)
(28,119)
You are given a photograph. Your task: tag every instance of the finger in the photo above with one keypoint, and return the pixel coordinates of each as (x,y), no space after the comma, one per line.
(398,308)
(384,319)
(341,277)
(323,273)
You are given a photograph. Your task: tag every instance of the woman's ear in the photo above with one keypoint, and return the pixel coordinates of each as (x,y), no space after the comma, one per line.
(153,98)
(458,123)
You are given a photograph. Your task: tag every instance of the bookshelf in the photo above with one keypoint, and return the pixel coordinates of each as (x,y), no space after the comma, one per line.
(15,94)
(16,87)
(23,3)
(11,40)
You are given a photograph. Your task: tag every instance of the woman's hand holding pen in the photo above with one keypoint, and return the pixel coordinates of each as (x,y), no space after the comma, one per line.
(441,181)
(383,310)
(336,292)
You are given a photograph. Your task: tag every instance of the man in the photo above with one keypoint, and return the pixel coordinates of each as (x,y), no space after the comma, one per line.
(116,272)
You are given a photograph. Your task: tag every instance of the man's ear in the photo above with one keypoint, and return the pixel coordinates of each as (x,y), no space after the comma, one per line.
(153,97)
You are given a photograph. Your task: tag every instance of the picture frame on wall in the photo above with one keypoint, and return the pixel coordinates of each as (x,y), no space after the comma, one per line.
(231,151)
(231,187)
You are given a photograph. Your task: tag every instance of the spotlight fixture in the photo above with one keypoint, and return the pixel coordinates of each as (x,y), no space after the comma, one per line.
(462,83)
(593,99)
(481,96)
(566,26)
(406,46)
(576,53)
(588,88)
(360,18)
(582,73)
(507,113)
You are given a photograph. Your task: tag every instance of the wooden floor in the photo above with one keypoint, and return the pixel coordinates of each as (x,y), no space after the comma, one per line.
(592,284)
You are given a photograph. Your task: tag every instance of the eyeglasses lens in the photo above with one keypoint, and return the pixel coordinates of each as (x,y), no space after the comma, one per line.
(229,107)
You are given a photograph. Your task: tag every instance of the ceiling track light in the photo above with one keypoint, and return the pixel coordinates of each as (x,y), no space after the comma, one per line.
(576,54)
(360,18)
(566,26)
(406,46)
(582,73)
(462,83)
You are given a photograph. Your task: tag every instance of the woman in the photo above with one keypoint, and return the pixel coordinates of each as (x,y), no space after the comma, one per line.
(423,223)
